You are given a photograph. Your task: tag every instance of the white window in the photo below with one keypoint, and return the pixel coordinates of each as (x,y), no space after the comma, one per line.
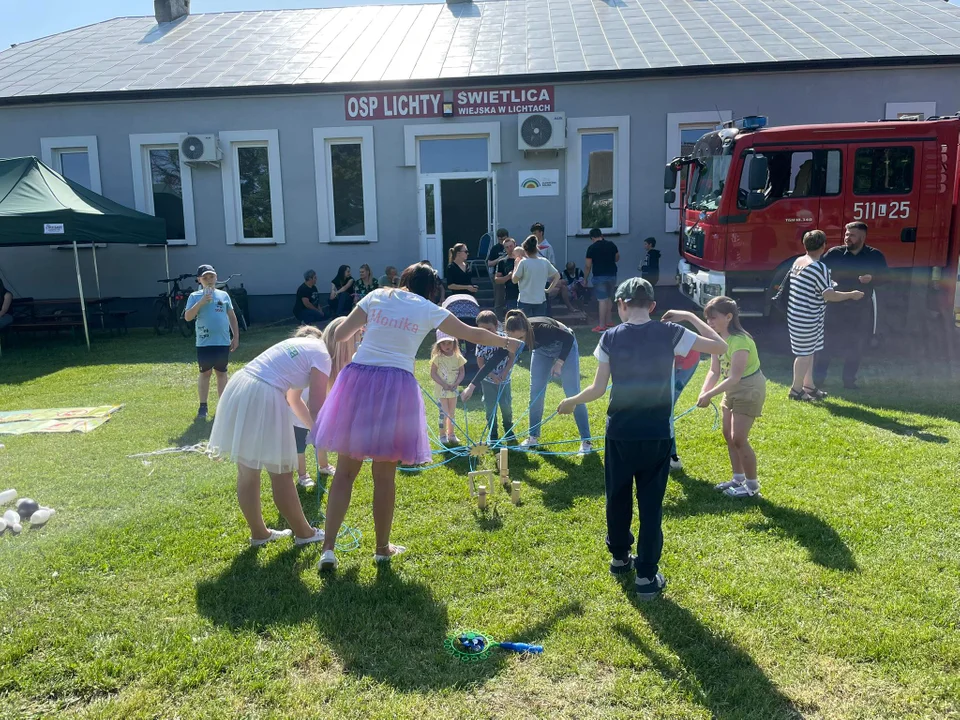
(598,175)
(910,110)
(76,158)
(163,184)
(683,131)
(346,184)
(414,137)
(252,193)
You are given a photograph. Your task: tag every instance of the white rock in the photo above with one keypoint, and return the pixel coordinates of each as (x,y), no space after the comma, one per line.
(11,518)
(39,517)
(8,496)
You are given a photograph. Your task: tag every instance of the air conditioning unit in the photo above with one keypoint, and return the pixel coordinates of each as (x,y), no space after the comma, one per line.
(199,148)
(540,131)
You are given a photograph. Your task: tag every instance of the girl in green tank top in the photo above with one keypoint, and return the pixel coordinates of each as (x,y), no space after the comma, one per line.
(735,375)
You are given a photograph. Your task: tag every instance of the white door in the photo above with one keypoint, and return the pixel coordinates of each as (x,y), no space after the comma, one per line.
(431,224)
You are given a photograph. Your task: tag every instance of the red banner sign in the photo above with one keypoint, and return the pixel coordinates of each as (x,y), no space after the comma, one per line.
(389,106)
(505,100)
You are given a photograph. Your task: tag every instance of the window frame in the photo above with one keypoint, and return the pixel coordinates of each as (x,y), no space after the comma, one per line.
(619,125)
(323,140)
(707,119)
(140,147)
(230,142)
(888,193)
(414,132)
(50,149)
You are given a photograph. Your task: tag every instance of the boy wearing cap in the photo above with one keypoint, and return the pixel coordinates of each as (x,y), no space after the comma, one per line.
(218,334)
(638,355)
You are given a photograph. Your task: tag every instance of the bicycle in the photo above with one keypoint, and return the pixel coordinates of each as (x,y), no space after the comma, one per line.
(238,296)
(168,309)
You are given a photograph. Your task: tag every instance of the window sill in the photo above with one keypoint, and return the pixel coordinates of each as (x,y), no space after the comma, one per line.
(348,241)
(266,243)
(170,243)
(80,246)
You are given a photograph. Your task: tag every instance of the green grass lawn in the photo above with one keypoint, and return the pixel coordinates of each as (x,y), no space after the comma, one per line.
(834,595)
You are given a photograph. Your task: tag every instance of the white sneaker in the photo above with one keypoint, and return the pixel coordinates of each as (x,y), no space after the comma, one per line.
(724,486)
(742,491)
(585,447)
(305,481)
(328,561)
(530,442)
(676,464)
(274,535)
(317,537)
(328,470)
(397,550)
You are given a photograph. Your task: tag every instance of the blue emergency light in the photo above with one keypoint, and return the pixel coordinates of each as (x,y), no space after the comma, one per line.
(754,122)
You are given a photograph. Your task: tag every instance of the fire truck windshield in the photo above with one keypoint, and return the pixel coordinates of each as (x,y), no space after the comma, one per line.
(709,173)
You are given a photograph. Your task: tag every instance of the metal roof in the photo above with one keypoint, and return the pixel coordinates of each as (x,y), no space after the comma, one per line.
(365,45)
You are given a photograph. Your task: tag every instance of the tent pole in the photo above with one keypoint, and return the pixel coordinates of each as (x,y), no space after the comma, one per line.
(83,304)
(96,274)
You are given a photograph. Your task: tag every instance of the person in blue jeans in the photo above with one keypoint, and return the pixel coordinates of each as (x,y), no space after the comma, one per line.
(555,353)
(496,381)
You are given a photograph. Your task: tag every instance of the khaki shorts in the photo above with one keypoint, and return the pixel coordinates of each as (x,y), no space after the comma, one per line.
(748,396)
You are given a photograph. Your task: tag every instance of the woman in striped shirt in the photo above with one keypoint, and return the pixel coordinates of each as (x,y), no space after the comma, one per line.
(810,290)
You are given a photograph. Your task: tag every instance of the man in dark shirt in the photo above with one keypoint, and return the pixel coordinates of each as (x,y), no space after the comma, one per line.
(853,266)
(494,256)
(6,298)
(602,259)
(510,292)
(306,308)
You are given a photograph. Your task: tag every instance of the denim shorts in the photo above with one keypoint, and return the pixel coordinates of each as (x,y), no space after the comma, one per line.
(605,286)
(213,357)
(300,435)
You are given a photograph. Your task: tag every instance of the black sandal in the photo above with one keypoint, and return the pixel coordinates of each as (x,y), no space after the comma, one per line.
(814,393)
(800,395)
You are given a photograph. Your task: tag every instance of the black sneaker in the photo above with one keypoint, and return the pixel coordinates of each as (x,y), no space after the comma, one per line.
(202,412)
(650,588)
(621,567)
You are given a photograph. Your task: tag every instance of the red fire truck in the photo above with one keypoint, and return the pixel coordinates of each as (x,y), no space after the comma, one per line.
(750,192)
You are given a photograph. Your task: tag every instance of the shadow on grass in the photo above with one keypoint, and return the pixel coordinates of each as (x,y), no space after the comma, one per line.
(391,631)
(582,478)
(720,676)
(824,545)
(197,431)
(862,414)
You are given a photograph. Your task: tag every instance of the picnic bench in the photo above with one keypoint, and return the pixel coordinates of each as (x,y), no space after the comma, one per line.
(36,316)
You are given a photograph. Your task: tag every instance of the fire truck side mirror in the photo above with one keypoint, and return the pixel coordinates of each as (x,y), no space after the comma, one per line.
(669,177)
(758,173)
(669,197)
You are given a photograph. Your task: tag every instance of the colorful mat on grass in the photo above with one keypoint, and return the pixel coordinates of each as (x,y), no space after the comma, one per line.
(55,420)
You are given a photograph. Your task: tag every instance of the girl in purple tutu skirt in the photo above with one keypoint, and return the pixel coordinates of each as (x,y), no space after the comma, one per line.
(375,408)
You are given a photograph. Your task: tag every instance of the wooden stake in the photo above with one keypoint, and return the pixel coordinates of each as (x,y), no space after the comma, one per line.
(482,497)
(515,492)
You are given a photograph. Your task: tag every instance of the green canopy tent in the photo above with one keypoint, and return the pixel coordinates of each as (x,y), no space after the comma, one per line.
(40,207)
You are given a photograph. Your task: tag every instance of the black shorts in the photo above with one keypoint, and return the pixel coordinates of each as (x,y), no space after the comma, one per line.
(213,357)
(300,434)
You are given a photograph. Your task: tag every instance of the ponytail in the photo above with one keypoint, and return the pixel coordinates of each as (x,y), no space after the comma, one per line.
(517,321)
(452,252)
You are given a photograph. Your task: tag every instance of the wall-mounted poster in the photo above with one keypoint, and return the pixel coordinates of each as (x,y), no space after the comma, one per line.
(537,183)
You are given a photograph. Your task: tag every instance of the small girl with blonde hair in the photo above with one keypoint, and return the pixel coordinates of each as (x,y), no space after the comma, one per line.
(446,369)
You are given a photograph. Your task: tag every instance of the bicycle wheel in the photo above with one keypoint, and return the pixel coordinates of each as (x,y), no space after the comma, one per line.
(186,327)
(162,317)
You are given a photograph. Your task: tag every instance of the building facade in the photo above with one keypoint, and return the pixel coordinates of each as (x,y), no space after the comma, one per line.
(387,173)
